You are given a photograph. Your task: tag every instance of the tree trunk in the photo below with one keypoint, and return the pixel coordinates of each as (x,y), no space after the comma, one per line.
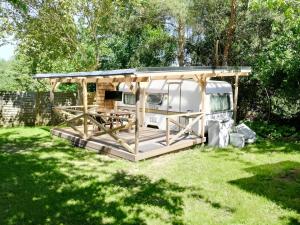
(216,54)
(181,42)
(230,31)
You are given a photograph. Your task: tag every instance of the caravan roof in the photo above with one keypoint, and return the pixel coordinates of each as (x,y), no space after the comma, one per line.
(212,87)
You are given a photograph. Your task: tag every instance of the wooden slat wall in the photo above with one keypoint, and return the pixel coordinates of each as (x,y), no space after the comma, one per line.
(100,96)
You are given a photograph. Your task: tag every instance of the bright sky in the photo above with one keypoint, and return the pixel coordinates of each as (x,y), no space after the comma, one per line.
(7,51)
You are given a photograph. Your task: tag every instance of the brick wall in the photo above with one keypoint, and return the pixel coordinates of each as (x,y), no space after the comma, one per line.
(30,108)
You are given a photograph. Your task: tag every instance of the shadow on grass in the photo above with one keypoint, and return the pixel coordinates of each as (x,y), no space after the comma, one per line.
(231,153)
(279,182)
(263,147)
(266,146)
(37,187)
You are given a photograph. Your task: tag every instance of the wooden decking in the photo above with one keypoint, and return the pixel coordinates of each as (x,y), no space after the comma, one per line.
(152,142)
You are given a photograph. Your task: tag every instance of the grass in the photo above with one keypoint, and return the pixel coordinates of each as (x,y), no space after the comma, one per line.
(44,180)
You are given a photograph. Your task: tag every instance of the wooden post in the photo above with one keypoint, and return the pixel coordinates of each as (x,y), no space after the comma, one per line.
(167,132)
(79,94)
(144,97)
(53,86)
(203,108)
(137,117)
(51,98)
(235,100)
(85,107)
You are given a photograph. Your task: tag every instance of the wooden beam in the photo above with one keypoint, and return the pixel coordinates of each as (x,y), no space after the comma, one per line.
(71,119)
(76,129)
(203,106)
(105,79)
(236,90)
(167,131)
(85,107)
(137,118)
(231,74)
(75,106)
(54,83)
(143,103)
(188,114)
(190,75)
(146,77)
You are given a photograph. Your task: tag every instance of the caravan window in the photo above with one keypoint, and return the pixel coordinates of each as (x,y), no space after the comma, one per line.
(152,99)
(129,99)
(155,99)
(219,102)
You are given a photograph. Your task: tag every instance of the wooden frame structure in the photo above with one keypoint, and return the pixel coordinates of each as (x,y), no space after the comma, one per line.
(113,123)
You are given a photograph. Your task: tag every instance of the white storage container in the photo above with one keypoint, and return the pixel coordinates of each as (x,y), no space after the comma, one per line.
(218,133)
(237,140)
(249,135)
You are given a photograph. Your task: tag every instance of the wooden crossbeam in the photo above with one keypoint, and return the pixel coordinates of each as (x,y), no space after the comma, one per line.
(107,116)
(72,110)
(181,126)
(190,114)
(76,129)
(63,112)
(72,119)
(189,126)
(110,133)
(99,133)
(75,106)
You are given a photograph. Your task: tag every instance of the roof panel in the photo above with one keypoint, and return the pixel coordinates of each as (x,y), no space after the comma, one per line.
(101,73)
(147,70)
(195,68)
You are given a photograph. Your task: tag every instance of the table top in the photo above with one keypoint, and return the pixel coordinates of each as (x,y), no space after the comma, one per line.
(119,113)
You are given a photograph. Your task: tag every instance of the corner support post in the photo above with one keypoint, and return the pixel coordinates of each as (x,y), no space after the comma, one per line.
(235,100)
(85,107)
(137,117)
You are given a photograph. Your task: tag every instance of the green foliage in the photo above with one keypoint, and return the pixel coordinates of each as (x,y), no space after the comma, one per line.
(7,74)
(67,87)
(277,64)
(14,76)
(69,36)
(84,35)
(274,131)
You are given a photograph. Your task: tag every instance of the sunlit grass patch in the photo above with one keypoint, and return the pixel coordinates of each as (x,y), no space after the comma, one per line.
(45,180)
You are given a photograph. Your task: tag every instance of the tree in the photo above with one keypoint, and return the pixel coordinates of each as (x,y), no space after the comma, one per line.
(177,20)
(230,31)
(90,35)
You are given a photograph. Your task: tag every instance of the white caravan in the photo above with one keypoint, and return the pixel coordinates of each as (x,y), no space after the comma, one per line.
(169,97)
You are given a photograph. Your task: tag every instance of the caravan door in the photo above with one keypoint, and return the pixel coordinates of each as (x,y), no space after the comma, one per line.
(174,97)
(174,101)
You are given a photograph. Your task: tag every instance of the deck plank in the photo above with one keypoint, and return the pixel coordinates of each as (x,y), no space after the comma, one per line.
(152,142)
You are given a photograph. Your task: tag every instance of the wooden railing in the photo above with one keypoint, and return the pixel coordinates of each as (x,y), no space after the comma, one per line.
(115,120)
(193,117)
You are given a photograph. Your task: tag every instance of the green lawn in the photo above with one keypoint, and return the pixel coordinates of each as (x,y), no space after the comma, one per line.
(44,180)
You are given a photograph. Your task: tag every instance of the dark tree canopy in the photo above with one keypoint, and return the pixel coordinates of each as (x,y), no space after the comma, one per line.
(58,36)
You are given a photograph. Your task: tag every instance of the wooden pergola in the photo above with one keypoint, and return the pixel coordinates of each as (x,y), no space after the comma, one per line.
(112,134)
